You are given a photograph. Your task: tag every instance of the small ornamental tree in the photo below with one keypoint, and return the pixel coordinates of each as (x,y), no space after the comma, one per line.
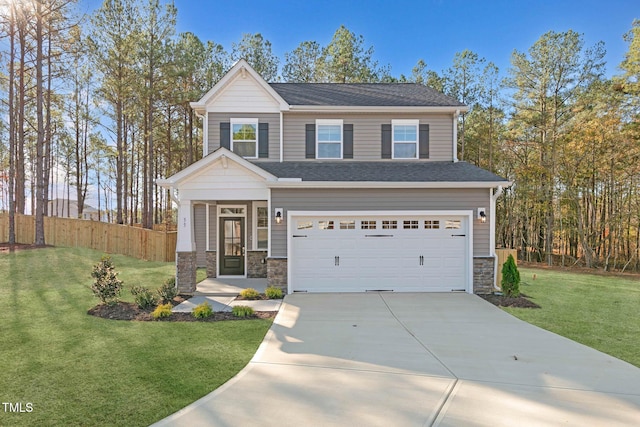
(107,286)
(510,278)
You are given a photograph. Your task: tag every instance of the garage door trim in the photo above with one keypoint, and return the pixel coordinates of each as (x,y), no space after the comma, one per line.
(459,213)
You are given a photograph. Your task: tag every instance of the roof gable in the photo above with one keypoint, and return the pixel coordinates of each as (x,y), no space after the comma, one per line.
(241,89)
(221,155)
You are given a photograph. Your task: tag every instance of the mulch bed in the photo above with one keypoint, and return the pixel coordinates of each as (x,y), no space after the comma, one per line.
(501,301)
(130,311)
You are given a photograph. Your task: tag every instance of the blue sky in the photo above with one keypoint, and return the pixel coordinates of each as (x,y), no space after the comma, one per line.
(403,31)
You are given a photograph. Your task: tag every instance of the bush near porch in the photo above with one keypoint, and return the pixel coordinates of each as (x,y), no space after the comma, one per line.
(78,369)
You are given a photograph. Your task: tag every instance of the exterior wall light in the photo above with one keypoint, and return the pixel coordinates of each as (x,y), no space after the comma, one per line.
(279,212)
(482,214)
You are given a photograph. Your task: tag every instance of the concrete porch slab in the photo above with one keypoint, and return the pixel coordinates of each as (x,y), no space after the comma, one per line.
(222,303)
(229,287)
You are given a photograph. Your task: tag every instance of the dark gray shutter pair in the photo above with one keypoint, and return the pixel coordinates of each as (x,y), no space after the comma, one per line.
(347,141)
(263,138)
(423,142)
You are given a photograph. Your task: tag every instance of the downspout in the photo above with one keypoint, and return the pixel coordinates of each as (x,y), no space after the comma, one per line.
(281,139)
(492,236)
(455,135)
(205,140)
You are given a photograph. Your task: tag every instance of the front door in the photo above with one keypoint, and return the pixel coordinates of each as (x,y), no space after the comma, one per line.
(232,246)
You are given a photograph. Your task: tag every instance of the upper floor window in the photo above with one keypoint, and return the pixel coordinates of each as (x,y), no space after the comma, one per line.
(244,137)
(405,139)
(329,139)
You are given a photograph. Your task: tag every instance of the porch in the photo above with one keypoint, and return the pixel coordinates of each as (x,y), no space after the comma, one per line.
(228,287)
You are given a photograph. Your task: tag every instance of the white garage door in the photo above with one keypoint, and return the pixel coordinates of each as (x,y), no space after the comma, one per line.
(402,253)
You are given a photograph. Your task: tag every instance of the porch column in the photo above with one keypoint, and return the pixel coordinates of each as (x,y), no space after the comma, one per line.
(185,249)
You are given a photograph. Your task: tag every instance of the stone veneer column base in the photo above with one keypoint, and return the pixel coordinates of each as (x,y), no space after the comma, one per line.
(256,264)
(212,262)
(186,272)
(277,273)
(483,275)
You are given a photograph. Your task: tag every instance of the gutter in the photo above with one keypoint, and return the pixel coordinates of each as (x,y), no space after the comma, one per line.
(494,197)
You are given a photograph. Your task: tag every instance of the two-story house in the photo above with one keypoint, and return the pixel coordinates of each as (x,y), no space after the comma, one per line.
(334,188)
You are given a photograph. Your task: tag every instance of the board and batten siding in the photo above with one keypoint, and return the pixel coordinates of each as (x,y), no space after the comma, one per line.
(367,133)
(396,199)
(213,134)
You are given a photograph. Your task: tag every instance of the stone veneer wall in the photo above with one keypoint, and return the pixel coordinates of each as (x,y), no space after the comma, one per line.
(212,261)
(256,264)
(483,275)
(277,273)
(186,264)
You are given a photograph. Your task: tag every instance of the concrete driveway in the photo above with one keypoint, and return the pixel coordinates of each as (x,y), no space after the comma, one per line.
(384,359)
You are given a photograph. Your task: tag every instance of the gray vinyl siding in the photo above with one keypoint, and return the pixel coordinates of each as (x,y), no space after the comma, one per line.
(367,133)
(200,224)
(379,200)
(215,119)
(213,217)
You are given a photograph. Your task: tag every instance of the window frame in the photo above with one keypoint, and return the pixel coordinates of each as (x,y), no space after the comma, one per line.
(255,227)
(244,121)
(405,122)
(329,122)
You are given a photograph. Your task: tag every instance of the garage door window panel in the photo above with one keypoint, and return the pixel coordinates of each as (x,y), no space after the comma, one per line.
(348,225)
(368,225)
(325,225)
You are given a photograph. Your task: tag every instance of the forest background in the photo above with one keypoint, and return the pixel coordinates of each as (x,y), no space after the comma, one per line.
(96,106)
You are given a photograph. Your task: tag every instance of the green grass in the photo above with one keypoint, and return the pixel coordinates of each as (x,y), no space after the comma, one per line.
(602,312)
(79,370)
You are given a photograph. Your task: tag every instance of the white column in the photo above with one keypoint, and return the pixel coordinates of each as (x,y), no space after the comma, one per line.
(186,236)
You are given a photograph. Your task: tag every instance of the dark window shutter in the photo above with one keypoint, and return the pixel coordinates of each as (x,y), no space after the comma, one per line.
(386,141)
(347,141)
(225,135)
(424,142)
(310,143)
(263,140)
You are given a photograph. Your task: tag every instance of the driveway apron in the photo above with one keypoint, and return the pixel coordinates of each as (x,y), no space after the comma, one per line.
(416,359)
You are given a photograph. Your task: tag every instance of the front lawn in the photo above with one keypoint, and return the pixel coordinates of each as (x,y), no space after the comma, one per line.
(602,312)
(79,370)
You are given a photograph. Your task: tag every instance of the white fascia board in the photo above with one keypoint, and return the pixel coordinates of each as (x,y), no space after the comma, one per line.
(290,183)
(240,67)
(203,163)
(375,109)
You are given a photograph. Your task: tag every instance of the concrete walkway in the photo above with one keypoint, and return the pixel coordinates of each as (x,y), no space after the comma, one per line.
(417,360)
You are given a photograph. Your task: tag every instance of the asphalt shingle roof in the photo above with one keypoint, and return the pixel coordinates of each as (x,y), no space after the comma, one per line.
(363,95)
(383,171)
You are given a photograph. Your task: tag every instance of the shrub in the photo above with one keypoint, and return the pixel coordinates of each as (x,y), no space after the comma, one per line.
(242,311)
(107,286)
(202,311)
(510,278)
(143,297)
(250,293)
(161,311)
(167,292)
(273,293)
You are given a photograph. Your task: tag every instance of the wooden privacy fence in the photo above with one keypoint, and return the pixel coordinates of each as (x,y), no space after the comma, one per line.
(110,238)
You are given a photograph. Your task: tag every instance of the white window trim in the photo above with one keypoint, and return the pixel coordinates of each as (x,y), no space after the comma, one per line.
(257,205)
(404,122)
(330,122)
(247,121)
